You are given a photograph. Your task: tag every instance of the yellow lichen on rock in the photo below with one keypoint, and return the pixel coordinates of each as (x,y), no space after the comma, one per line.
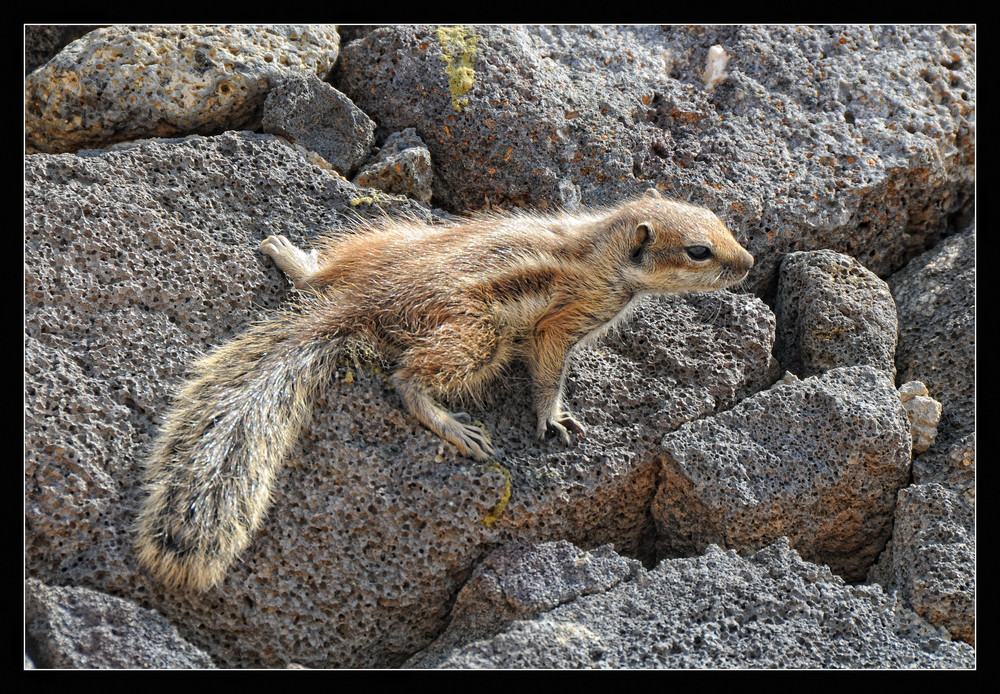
(458,48)
(494,513)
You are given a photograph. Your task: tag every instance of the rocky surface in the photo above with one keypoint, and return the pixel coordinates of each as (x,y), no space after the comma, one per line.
(769,609)
(402,167)
(833,312)
(931,559)
(129,278)
(122,83)
(67,627)
(818,461)
(936,301)
(853,144)
(310,113)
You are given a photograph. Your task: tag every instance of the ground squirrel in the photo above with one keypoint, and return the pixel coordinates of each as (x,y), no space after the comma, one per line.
(449,306)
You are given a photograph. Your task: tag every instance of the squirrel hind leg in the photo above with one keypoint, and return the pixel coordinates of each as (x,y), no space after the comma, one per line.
(470,440)
(457,358)
(298,264)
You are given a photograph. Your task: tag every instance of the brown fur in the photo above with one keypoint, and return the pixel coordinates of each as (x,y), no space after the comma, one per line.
(450,306)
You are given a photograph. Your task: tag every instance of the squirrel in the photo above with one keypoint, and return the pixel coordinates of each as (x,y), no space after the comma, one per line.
(449,306)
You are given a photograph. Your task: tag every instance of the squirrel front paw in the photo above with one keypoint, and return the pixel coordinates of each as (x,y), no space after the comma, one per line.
(562,423)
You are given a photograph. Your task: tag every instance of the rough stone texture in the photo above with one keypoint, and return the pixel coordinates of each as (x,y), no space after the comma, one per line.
(819,461)
(686,357)
(521,580)
(42,41)
(833,312)
(122,83)
(131,272)
(719,610)
(67,627)
(860,139)
(935,296)
(923,412)
(931,559)
(402,167)
(314,115)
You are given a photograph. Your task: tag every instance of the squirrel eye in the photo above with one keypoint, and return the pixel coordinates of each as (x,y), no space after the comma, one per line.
(699,252)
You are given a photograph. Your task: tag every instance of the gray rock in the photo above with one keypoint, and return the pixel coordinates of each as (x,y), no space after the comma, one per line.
(935,296)
(402,167)
(123,83)
(832,312)
(67,627)
(521,580)
(819,461)
(860,139)
(137,259)
(314,115)
(931,560)
(719,610)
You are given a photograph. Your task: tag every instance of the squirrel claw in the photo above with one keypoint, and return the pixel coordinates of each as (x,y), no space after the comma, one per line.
(562,424)
(472,441)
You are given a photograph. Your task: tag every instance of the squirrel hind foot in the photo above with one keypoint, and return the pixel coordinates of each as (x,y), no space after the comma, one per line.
(296,263)
(470,439)
(457,429)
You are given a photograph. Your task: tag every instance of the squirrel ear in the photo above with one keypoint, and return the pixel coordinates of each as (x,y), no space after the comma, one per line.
(652,193)
(642,236)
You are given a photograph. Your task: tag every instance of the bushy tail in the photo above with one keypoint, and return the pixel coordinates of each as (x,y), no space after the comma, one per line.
(210,475)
